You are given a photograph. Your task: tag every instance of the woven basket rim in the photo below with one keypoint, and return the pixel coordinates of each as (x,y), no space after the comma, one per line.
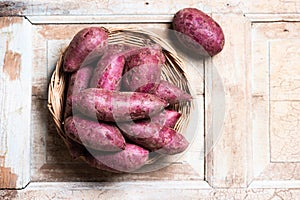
(57,84)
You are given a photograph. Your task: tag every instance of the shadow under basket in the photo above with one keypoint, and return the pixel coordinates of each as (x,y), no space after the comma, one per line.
(172,71)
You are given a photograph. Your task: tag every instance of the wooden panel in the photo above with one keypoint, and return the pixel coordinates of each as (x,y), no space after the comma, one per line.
(284,69)
(251,103)
(145,191)
(50,158)
(284,132)
(91,7)
(15,101)
(284,97)
(114,7)
(275,114)
(227,106)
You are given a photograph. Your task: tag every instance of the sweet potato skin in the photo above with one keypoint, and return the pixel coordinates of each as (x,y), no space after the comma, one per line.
(155,137)
(77,82)
(171,93)
(151,136)
(177,145)
(142,78)
(166,118)
(201,28)
(77,151)
(116,106)
(94,134)
(82,44)
(148,54)
(108,72)
(143,69)
(128,160)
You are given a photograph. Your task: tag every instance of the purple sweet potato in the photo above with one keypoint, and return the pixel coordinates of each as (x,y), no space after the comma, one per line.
(144,55)
(94,134)
(199,31)
(128,160)
(171,93)
(123,49)
(155,137)
(177,145)
(166,118)
(108,73)
(142,78)
(77,150)
(110,67)
(143,69)
(151,136)
(78,81)
(117,106)
(151,133)
(83,43)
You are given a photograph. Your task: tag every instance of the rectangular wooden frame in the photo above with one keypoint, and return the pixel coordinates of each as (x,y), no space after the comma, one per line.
(227,166)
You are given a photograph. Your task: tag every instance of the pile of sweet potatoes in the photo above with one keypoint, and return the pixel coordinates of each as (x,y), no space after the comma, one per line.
(117,108)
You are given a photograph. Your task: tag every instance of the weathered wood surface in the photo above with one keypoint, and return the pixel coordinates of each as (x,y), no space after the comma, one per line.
(15,101)
(275,66)
(145,191)
(250,104)
(227,108)
(151,7)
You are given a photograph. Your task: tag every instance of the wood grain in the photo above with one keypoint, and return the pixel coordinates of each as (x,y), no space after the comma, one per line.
(114,7)
(15,102)
(250,98)
(12,64)
(145,191)
(227,107)
(284,137)
(275,102)
(8,179)
(284,66)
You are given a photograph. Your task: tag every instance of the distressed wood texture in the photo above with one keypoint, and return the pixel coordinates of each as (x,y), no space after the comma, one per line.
(150,7)
(275,93)
(247,142)
(145,191)
(51,160)
(227,108)
(15,101)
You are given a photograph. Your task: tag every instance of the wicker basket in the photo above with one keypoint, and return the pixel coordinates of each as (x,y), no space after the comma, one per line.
(172,71)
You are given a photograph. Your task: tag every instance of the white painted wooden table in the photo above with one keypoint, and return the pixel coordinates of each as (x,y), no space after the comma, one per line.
(253,83)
